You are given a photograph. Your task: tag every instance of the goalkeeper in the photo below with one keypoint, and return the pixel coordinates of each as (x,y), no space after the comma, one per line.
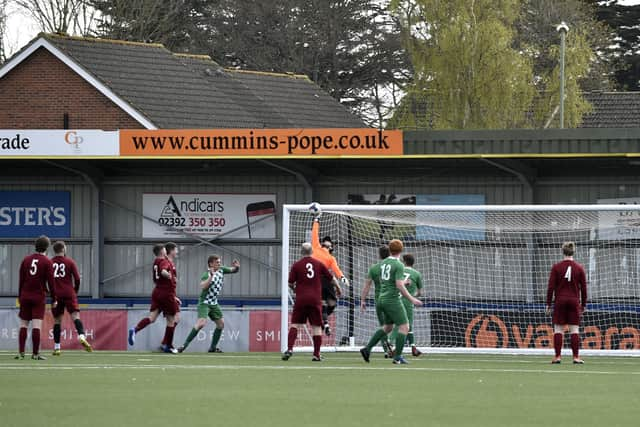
(323,253)
(211,283)
(373,276)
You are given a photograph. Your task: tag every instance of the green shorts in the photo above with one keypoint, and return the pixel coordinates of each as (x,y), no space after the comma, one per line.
(394,312)
(213,312)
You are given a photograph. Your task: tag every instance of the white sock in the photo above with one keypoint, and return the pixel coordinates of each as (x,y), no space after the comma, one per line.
(56,346)
(82,337)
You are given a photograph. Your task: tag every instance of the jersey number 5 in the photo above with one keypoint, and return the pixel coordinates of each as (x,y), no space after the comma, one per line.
(34,267)
(310,272)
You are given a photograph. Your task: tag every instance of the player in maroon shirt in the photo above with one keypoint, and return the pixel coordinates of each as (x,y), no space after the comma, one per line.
(66,282)
(35,273)
(568,291)
(305,278)
(163,297)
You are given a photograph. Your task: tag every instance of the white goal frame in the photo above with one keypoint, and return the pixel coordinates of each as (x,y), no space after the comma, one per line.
(285,295)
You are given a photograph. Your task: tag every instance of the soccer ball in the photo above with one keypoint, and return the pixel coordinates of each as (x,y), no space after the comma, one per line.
(315,208)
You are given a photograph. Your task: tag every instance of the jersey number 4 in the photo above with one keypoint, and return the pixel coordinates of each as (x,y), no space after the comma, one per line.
(567,274)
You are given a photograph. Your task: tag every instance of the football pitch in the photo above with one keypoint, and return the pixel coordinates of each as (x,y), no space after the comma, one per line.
(255,389)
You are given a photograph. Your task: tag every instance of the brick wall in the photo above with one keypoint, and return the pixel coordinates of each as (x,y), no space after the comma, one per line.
(38,92)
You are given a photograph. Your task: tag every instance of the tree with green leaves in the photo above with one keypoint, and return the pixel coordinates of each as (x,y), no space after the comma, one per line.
(587,65)
(495,64)
(464,65)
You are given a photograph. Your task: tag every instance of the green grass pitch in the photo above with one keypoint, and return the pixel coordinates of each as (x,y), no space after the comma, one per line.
(252,389)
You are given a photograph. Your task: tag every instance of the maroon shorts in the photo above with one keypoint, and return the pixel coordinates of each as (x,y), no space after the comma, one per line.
(70,302)
(566,312)
(31,308)
(165,303)
(302,312)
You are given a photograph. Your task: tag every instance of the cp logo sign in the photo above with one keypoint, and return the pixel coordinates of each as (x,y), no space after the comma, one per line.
(72,138)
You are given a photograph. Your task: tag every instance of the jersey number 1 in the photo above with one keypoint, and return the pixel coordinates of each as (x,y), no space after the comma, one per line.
(155,272)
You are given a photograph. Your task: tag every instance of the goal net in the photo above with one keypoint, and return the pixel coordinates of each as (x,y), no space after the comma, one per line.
(485,272)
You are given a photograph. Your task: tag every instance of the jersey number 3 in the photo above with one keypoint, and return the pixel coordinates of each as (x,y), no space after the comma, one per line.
(310,272)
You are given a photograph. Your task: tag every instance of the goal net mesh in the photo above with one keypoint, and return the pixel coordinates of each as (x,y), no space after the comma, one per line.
(485,272)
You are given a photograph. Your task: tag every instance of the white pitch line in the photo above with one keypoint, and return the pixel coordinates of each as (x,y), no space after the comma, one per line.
(17,367)
(533,359)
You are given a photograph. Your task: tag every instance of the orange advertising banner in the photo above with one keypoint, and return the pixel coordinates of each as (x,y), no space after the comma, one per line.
(260,143)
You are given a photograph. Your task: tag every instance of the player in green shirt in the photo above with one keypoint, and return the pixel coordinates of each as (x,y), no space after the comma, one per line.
(373,277)
(211,284)
(392,287)
(414,286)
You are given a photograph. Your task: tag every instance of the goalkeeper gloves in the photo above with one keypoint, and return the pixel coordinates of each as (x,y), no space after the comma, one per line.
(344,281)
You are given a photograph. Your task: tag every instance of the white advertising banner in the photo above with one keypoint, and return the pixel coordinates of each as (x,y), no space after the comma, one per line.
(59,143)
(234,337)
(619,225)
(233,216)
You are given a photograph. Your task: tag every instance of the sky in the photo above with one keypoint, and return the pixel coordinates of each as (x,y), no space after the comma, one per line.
(22,28)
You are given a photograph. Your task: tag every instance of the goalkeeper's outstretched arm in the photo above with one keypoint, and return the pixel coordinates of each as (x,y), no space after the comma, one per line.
(323,254)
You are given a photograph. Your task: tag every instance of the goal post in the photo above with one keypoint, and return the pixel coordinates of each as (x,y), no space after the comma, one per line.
(485,270)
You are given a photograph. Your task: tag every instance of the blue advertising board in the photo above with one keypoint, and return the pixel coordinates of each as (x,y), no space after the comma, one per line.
(27,214)
(461,226)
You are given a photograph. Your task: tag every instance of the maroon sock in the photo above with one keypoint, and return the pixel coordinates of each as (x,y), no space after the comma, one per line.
(168,336)
(557,343)
(575,344)
(142,324)
(35,338)
(293,334)
(22,339)
(317,342)
(164,338)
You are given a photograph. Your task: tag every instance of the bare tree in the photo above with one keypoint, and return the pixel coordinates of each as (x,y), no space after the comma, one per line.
(3,30)
(60,16)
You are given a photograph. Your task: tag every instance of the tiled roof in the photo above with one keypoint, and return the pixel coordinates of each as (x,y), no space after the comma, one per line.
(612,110)
(192,91)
